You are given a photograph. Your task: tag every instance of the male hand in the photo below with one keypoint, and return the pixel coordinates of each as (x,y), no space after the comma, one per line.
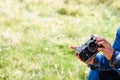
(106,47)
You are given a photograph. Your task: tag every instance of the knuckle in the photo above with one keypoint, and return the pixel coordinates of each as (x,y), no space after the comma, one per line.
(103,39)
(103,42)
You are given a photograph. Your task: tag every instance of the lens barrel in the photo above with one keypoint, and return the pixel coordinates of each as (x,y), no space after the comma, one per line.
(92,46)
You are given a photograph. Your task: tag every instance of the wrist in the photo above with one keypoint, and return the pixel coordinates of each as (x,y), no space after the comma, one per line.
(112,61)
(110,54)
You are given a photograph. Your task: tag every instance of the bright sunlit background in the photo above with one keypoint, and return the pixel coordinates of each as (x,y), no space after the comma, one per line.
(36,35)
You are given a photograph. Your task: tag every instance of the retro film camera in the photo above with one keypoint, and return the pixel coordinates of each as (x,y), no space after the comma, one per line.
(88,50)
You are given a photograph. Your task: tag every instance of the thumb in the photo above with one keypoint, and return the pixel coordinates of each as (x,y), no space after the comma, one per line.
(74,47)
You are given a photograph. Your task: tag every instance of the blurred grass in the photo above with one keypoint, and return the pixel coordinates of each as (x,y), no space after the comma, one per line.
(36,36)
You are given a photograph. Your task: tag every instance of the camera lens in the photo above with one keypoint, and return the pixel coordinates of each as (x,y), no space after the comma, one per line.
(92,47)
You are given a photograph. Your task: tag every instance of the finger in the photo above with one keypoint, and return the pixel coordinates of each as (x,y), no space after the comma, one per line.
(98,39)
(103,44)
(102,49)
(77,55)
(80,59)
(91,61)
(74,47)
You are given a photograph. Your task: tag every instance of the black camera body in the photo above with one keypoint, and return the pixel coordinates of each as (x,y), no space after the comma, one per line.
(88,50)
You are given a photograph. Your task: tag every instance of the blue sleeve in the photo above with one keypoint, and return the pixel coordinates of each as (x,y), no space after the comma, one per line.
(116,44)
(115,60)
(100,63)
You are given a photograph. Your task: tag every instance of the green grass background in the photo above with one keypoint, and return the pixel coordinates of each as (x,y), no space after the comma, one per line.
(36,35)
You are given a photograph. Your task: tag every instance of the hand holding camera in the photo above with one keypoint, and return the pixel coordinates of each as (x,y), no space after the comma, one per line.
(106,47)
(87,51)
